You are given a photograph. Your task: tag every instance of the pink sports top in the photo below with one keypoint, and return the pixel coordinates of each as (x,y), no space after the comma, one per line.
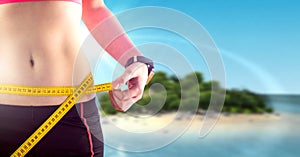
(16,1)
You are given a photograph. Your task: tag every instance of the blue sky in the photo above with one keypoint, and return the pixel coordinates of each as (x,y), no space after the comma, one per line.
(259,40)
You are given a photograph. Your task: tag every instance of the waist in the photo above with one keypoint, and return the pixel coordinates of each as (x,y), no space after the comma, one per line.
(51,90)
(56,70)
(44,69)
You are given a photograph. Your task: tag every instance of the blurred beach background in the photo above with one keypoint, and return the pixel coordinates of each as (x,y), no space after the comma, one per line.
(259,45)
(267,135)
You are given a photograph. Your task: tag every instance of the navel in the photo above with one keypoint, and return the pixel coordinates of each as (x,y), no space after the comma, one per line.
(31,61)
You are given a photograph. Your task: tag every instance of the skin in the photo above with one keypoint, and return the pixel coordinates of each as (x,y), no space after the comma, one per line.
(40,46)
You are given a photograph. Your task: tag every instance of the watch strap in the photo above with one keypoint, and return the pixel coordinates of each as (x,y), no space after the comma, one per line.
(141,59)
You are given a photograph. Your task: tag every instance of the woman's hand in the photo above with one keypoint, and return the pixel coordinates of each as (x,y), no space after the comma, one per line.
(135,76)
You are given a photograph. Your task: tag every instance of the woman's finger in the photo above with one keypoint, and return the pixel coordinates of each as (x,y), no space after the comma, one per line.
(133,71)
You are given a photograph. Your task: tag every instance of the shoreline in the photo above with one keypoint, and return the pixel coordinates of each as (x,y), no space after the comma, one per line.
(149,123)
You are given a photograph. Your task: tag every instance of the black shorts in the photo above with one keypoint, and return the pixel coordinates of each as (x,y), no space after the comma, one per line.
(78,133)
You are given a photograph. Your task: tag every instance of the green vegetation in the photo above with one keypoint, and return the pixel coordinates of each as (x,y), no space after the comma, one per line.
(186,91)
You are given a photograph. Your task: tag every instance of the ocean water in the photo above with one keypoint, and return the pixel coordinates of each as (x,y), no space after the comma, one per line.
(275,138)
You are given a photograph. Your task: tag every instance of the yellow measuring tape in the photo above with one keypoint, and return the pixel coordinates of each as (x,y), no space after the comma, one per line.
(74,95)
(50,90)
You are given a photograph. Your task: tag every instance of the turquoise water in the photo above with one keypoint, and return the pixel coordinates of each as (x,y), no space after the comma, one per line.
(277,138)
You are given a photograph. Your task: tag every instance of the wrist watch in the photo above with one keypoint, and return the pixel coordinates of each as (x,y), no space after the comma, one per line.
(142,59)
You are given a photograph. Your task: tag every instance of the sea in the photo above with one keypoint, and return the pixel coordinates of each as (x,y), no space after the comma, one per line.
(274,138)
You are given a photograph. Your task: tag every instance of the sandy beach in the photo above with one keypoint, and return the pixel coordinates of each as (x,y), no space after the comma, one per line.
(179,134)
(174,133)
(192,123)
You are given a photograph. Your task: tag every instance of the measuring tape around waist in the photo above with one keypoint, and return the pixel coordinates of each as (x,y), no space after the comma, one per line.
(50,90)
(71,100)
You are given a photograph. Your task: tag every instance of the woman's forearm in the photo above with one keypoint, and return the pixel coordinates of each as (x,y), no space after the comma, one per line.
(108,32)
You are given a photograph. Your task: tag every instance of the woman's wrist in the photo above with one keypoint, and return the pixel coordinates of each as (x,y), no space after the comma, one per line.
(149,63)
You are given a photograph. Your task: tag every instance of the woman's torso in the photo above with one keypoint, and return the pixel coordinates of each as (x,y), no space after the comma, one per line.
(39,46)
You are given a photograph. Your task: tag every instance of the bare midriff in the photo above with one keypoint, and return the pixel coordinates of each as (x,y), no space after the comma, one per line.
(40,46)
